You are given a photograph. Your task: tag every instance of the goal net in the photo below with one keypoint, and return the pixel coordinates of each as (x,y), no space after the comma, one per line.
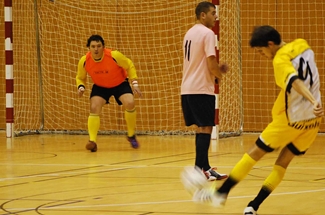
(50,37)
(293,19)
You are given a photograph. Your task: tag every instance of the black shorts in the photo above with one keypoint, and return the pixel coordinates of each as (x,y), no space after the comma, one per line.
(199,109)
(117,91)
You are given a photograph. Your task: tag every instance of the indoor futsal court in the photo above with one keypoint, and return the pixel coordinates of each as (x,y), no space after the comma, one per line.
(44,166)
(54,174)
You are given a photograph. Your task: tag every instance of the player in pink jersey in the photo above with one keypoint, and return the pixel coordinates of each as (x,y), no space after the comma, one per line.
(200,69)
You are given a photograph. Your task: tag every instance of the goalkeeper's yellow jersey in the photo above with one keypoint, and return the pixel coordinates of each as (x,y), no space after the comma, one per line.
(292,61)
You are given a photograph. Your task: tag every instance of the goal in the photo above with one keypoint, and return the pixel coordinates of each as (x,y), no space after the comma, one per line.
(50,37)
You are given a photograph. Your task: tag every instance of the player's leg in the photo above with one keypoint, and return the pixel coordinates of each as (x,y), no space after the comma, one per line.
(243,167)
(302,139)
(200,110)
(271,138)
(272,181)
(123,95)
(130,112)
(97,101)
(238,173)
(96,104)
(202,144)
(130,118)
(203,111)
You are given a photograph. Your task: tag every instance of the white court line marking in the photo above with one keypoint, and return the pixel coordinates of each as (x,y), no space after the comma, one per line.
(143,166)
(120,167)
(161,202)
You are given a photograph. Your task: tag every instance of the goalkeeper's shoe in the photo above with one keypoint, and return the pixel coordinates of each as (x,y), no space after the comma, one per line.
(92,146)
(133,141)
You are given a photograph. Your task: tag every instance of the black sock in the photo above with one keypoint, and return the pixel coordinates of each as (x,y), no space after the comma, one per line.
(202,144)
(261,196)
(227,185)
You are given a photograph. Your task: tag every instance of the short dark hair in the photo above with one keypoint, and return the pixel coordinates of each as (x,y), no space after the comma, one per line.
(95,37)
(261,35)
(203,7)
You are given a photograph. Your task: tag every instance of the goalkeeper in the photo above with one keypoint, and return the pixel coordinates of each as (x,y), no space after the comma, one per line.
(111,72)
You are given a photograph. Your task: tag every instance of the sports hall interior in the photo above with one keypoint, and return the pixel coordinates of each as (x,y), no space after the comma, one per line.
(46,168)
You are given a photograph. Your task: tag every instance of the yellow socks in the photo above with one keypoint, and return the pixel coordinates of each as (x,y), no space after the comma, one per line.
(94,123)
(238,173)
(93,126)
(270,183)
(274,179)
(130,118)
(242,168)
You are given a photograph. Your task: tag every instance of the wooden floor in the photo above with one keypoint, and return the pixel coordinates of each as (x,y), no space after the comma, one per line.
(55,175)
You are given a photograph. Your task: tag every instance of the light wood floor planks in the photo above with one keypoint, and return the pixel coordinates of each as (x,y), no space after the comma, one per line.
(55,175)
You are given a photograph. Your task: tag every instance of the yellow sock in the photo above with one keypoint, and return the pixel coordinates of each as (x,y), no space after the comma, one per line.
(242,168)
(274,179)
(93,126)
(130,118)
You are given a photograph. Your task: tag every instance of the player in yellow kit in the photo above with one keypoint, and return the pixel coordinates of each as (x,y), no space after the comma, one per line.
(296,115)
(110,72)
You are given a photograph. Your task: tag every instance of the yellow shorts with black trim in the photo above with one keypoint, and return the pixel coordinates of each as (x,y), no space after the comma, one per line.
(297,136)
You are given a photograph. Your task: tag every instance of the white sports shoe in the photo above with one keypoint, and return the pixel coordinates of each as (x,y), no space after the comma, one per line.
(249,211)
(213,175)
(206,195)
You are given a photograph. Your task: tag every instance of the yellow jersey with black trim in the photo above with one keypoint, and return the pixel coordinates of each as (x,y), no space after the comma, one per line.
(293,61)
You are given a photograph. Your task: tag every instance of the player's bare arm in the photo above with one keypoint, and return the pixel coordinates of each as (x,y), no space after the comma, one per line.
(216,69)
(299,86)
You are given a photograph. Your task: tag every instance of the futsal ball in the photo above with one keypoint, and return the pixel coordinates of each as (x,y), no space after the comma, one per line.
(193,179)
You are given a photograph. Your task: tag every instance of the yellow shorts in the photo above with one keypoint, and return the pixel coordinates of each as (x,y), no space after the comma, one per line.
(297,136)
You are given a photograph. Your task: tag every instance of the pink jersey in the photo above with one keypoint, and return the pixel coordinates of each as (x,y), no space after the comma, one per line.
(198,45)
